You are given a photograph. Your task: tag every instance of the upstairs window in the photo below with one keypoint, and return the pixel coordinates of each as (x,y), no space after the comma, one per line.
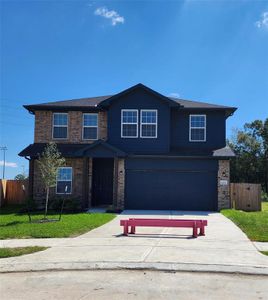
(129,123)
(90,126)
(64,180)
(148,123)
(60,125)
(197,128)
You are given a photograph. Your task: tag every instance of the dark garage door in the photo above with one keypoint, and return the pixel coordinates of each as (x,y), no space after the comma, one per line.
(171,184)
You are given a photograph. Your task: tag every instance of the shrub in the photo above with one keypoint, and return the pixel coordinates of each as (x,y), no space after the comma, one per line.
(29,205)
(70,204)
(264,196)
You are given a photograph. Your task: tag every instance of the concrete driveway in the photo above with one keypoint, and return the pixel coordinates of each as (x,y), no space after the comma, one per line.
(224,248)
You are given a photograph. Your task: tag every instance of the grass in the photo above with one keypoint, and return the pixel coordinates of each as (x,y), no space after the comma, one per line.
(264,252)
(14,224)
(10,252)
(254,224)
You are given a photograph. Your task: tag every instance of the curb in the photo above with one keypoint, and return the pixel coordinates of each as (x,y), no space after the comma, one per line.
(168,267)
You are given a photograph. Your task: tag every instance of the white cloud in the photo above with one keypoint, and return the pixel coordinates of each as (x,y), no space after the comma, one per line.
(263,22)
(8,164)
(110,14)
(174,95)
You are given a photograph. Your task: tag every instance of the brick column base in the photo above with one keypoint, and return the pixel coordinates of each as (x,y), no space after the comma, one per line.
(119,176)
(224,184)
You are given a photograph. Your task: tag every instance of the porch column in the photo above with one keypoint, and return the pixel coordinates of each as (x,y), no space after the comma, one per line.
(119,183)
(89,178)
(224,184)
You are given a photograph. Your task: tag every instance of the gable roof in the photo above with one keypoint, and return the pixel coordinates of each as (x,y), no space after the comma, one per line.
(100,147)
(169,101)
(101,102)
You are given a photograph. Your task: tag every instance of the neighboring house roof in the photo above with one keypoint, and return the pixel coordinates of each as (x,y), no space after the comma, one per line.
(97,103)
(105,149)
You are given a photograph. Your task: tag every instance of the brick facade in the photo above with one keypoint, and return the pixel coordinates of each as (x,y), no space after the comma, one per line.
(43,127)
(39,192)
(81,183)
(119,183)
(224,184)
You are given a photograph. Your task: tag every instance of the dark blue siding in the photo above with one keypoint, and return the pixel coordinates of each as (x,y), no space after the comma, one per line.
(171,184)
(179,130)
(140,99)
(171,163)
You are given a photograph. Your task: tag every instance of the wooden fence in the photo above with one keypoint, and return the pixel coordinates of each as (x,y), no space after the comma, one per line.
(11,191)
(246,196)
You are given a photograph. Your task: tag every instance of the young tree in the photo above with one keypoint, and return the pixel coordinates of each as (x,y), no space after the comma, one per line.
(49,162)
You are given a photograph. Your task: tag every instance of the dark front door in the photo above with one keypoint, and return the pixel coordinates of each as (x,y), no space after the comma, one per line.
(102,181)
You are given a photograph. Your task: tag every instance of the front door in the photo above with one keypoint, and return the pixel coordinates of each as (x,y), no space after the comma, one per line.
(102,181)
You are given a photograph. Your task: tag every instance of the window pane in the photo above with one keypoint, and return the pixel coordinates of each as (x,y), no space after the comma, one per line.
(90,120)
(60,119)
(197,121)
(197,134)
(130,117)
(90,133)
(61,185)
(64,174)
(59,132)
(129,130)
(148,116)
(148,130)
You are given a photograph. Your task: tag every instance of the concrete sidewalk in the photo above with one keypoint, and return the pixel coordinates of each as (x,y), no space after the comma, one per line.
(225,248)
(261,246)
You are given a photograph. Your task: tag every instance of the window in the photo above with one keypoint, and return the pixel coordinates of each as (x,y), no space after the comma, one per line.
(60,125)
(90,126)
(148,123)
(64,180)
(197,128)
(129,123)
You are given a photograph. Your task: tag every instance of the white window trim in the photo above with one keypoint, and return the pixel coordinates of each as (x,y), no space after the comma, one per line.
(123,123)
(56,113)
(204,127)
(66,181)
(90,126)
(145,123)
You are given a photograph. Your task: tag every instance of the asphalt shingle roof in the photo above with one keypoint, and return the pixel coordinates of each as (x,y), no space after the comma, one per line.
(93,102)
(98,102)
(77,150)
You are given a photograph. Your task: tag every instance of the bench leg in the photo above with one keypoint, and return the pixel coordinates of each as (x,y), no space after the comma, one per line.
(202,230)
(132,229)
(194,231)
(126,229)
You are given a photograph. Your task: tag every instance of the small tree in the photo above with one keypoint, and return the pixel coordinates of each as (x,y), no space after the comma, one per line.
(49,162)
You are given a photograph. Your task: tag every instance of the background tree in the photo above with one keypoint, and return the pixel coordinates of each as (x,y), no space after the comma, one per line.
(49,162)
(251,148)
(20,177)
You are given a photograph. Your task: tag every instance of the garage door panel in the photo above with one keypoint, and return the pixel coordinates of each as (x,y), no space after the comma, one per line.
(171,189)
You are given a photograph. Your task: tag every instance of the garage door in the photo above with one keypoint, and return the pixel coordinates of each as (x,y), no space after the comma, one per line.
(171,184)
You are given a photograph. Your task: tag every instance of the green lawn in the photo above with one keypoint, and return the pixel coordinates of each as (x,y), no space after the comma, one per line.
(254,224)
(9,252)
(16,225)
(264,252)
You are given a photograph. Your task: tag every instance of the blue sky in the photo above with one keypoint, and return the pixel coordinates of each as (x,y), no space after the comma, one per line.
(214,51)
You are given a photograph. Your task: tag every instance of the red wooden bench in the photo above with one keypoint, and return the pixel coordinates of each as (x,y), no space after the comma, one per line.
(186,223)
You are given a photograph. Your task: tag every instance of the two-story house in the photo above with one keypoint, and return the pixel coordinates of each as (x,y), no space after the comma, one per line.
(137,149)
